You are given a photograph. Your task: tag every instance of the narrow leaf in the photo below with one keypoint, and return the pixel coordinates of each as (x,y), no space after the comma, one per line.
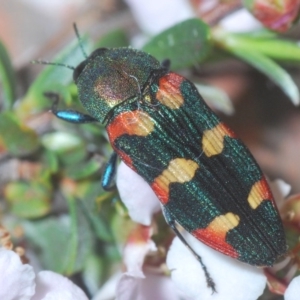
(7,78)
(272,70)
(52,78)
(216,98)
(286,50)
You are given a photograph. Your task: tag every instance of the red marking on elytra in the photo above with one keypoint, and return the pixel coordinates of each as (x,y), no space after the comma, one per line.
(170,82)
(216,240)
(161,193)
(265,189)
(169,93)
(227,131)
(126,159)
(119,126)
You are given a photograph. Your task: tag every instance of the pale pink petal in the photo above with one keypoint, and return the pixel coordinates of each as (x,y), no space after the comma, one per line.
(137,195)
(134,256)
(159,287)
(240,21)
(293,290)
(128,288)
(151,287)
(280,189)
(16,278)
(50,285)
(108,290)
(234,280)
(137,247)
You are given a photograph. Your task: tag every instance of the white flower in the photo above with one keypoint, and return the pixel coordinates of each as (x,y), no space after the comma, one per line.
(293,290)
(137,195)
(16,279)
(234,280)
(19,282)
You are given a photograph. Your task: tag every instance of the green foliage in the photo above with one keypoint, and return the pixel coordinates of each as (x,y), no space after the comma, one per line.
(7,78)
(260,50)
(185,44)
(16,138)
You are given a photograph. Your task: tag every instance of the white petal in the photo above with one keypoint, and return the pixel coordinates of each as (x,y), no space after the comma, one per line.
(159,287)
(16,279)
(293,290)
(108,290)
(137,195)
(128,288)
(139,244)
(234,280)
(156,15)
(54,286)
(134,256)
(240,21)
(280,190)
(151,287)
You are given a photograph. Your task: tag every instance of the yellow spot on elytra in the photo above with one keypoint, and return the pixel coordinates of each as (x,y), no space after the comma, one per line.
(179,170)
(173,101)
(258,193)
(213,139)
(142,123)
(215,233)
(224,223)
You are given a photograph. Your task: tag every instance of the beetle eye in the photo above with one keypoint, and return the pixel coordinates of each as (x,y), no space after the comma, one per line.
(78,70)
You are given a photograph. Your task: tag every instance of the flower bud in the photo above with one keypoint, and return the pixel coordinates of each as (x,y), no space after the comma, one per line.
(277,15)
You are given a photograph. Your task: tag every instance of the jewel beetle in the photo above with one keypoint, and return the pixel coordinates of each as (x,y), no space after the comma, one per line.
(204,176)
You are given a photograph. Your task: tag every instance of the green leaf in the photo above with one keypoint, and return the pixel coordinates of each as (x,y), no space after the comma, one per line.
(70,148)
(83,170)
(16,138)
(270,69)
(52,78)
(64,242)
(216,98)
(93,273)
(81,238)
(7,78)
(185,44)
(113,39)
(28,199)
(50,162)
(280,49)
(89,191)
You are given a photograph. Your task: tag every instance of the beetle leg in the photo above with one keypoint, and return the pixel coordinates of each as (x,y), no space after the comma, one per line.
(171,222)
(109,174)
(71,116)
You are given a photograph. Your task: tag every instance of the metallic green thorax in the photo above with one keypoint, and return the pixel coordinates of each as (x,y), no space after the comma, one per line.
(112,77)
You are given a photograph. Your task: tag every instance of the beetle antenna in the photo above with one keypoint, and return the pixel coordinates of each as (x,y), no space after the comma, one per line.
(45,62)
(79,40)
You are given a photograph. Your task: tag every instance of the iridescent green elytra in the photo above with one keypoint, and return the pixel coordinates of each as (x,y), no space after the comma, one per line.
(204,176)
